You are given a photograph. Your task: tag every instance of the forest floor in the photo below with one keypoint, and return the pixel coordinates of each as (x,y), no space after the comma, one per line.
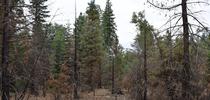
(103,94)
(100,94)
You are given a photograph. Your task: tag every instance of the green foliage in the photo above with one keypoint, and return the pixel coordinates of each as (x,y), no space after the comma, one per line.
(79,28)
(208,61)
(39,10)
(58,46)
(92,47)
(144,28)
(79,25)
(109,26)
(39,52)
(121,68)
(110,43)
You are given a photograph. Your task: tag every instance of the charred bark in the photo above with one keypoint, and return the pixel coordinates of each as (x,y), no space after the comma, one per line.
(186,60)
(5,51)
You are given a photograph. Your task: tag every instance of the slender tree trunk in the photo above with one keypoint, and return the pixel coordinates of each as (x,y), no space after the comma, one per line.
(186,60)
(159,47)
(76,74)
(145,66)
(170,48)
(98,74)
(99,80)
(5,51)
(170,78)
(76,78)
(113,75)
(138,85)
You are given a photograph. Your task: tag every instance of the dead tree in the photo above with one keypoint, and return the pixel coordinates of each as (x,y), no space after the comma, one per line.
(186,59)
(5,50)
(185,13)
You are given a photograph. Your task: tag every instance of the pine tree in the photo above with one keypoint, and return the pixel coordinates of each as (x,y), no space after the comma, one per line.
(144,41)
(39,51)
(58,46)
(79,24)
(92,40)
(79,27)
(109,26)
(110,37)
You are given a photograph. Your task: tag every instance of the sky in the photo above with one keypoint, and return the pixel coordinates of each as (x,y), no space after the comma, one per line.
(63,12)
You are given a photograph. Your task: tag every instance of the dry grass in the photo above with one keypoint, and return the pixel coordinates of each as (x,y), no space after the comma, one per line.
(100,94)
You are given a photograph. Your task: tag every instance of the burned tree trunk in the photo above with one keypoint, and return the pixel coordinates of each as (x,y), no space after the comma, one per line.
(186,60)
(5,51)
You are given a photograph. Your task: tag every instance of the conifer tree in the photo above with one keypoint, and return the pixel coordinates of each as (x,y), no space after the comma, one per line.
(58,46)
(108,26)
(93,47)
(79,27)
(110,37)
(144,42)
(38,54)
(78,31)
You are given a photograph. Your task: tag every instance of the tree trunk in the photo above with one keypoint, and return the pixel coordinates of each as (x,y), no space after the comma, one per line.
(145,66)
(99,80)
(113,75)
(170,45)
(186,60)
(76,78)
(5,51)
(159,47)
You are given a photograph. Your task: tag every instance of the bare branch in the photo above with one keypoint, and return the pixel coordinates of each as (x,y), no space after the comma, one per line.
(197,26)
(171,27)
(164,8)
(191,15)
(171,18)
(196,12)
(201,38)
(197,21)
(54,15)
(177,22)
(199,2)
(176,31)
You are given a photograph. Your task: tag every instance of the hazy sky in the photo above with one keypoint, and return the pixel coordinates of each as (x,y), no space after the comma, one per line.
(123,9)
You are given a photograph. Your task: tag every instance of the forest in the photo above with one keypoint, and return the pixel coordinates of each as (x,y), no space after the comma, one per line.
(44,60)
